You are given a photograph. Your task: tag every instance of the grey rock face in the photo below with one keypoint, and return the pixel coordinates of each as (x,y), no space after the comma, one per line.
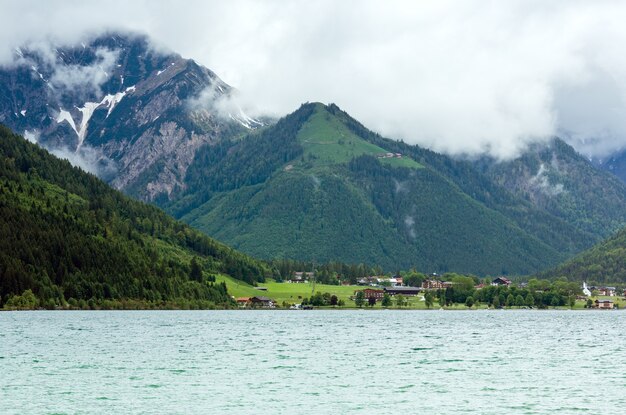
(116,101)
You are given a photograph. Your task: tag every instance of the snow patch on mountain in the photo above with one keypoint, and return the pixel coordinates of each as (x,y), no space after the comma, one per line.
(66,116)
(112,100)
(34,68)
(216,97)
(243,119)
(109,101)
(87,112)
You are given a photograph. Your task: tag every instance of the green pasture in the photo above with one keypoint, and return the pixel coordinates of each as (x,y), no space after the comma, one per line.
(326,140)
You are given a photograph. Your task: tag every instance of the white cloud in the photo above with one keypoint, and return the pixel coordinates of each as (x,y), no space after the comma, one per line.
(32,136)
(541,182)
(464,77)
(89,159)
(82,77)
(409,223)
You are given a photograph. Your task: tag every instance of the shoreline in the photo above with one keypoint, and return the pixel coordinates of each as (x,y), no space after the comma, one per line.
(327,309)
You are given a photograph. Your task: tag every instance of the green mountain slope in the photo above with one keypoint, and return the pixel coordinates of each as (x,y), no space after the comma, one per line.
(319,186)
(64,234)
(553,230)
(604,263)
(326,140)
(557,179)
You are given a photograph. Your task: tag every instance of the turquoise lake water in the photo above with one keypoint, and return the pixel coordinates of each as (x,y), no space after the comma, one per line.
(320,362)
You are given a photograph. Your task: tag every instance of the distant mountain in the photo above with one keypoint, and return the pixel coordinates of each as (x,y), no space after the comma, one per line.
(318,185)
(555,178)
(128,110)
(604,263)
(64,234)
(616,164)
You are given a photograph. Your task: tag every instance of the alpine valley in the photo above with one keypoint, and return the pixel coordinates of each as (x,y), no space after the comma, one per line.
(315,185)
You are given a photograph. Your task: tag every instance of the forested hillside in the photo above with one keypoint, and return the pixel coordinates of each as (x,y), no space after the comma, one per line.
(68,237)
(319,186)
(604,263)
(555,178)
(553,230)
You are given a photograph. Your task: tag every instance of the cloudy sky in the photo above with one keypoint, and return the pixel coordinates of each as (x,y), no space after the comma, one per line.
(462,77)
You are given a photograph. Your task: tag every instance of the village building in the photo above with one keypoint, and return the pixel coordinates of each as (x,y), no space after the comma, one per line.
(379,280)
(261,302)
(501,281)
(394,281)
(372,293)
(371,281)
(389,155)
(406,291)
(432,285)
(607,291)
(436,284)
(604,291)
(604,304)
(300,277)
(243,301)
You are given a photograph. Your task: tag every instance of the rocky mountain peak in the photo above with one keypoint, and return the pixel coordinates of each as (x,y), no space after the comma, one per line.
(118,101)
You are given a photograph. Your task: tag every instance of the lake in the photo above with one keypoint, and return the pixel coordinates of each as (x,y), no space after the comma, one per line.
(324,362)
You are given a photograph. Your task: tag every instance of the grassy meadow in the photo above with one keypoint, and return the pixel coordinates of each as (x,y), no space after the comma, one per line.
(329,141)
(294,293)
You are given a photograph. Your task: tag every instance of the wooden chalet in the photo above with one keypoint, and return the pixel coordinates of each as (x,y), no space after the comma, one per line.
(501,281)
(604,304)
(261,302)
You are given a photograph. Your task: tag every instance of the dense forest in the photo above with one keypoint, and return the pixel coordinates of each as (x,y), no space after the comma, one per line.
(547,227)
(229,165)
(562,182)
(69,240)
(604,263)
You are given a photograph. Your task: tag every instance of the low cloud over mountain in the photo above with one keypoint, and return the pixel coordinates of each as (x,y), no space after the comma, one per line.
(458,77)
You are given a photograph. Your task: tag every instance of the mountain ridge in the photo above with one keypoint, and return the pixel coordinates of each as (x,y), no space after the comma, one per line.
(604,263)
(121,107)
(557,179)
(353,166)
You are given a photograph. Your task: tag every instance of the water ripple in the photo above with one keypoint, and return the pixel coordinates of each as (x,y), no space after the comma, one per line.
(349,362)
